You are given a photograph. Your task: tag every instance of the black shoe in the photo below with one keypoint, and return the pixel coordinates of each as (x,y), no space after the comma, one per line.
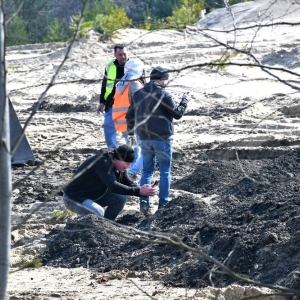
(144,207)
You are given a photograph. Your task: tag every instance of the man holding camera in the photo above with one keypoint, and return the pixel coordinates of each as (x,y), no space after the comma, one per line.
(102,181)
(151,114)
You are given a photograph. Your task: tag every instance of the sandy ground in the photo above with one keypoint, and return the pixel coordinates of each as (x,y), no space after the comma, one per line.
(241,107)
(80,283)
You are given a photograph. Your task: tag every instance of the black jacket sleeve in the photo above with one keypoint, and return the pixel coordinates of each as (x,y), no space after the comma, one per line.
(175,111)
(103,87)
(121,185)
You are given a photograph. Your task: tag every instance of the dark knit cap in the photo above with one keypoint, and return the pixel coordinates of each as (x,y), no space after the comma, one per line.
(159,73)
(124,153)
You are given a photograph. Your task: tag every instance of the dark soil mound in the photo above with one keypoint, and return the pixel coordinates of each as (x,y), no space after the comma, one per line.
(249,220)
(65,107)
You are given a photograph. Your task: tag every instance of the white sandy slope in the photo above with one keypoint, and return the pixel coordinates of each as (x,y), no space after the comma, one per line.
(259,12)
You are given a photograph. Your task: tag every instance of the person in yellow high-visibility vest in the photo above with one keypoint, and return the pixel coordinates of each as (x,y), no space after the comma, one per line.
(131,82)
(114,71)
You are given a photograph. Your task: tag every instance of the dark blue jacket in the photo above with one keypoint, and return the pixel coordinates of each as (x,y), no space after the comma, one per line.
(152,112)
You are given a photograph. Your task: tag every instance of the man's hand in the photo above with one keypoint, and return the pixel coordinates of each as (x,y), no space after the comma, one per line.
(148,190)
(132,140)
(100,108)
(185,98)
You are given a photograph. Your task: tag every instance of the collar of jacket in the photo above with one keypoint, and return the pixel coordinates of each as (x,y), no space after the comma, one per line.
(158,84)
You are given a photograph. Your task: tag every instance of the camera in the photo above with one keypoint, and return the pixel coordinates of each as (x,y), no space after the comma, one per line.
(155,183)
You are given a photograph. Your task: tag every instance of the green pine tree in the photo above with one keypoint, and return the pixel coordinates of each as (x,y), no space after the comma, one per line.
(55,32)
(16,32)
(108,24)
(187,14)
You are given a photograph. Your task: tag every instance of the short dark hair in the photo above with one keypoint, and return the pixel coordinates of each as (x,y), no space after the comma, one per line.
(124,153)
(119,46)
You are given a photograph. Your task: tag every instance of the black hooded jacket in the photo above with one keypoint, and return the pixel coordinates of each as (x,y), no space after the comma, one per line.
(152,111)
(96,175)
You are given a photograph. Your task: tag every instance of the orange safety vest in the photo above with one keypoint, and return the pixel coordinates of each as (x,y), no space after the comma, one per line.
(120,108)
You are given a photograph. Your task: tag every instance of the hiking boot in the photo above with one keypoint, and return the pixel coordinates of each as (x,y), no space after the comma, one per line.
(145,207)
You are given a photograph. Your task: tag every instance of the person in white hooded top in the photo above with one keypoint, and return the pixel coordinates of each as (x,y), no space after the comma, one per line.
(131,82)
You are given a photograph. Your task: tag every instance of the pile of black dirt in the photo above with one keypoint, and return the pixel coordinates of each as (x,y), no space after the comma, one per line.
(249,221)
(64,107)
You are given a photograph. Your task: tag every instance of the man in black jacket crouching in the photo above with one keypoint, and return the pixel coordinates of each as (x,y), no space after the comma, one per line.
(102,181)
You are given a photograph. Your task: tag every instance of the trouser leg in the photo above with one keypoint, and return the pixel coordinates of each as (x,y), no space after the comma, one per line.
(148,165)
(110,130)
(87,207)
(114,204)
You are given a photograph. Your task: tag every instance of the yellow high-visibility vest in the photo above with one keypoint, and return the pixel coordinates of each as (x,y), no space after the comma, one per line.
(111,73)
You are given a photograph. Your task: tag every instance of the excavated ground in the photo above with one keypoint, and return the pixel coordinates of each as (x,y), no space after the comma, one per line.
(243,213)
(235,171)
(247,218)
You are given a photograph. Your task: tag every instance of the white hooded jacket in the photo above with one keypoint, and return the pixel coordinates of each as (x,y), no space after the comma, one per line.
(133,70)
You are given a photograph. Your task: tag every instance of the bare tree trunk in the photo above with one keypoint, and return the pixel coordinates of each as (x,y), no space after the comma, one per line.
(5,166)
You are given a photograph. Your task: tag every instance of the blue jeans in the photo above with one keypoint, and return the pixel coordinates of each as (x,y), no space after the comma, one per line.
(110,132)
(114,204)
(161,151)
(137,165)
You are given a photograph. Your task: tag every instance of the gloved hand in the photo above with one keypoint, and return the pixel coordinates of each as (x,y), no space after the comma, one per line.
(132,140)
(185,99)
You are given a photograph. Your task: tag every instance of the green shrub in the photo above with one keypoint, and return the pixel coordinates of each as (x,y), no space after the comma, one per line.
(108,24)
(36,263)
(188,14)
(104,17)
(103,7)
(151,22)
(16,32)
(55,32)
(65,215)
(84,26)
